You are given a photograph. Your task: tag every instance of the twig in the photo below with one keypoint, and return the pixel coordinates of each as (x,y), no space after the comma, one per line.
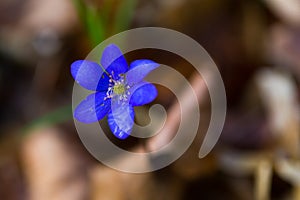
(174,115)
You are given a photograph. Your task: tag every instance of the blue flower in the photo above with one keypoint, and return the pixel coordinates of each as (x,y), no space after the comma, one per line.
(118,88)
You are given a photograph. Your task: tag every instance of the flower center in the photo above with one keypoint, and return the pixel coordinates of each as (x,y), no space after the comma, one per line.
(119,88)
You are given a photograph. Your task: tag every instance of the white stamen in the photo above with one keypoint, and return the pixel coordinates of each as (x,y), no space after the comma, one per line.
(113,84)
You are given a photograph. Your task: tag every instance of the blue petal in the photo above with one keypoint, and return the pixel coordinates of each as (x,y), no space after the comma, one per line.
(143,93)
(113,61)
(139,70)
(120,120)
(137,63)
(93,108)
(89,75)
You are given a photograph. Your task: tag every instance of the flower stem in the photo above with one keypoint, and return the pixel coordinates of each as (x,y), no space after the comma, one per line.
(104,70)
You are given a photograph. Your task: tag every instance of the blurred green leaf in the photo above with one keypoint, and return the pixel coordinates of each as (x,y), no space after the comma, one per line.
(92,21)
(101,24)
(124,15)
(106,13)
(60,115)
(79,4)
(94,26)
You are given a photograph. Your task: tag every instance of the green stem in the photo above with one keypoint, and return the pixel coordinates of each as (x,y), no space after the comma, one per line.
(104,70)
(57,116)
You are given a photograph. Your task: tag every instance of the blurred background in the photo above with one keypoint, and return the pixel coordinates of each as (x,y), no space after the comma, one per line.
(255,44)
